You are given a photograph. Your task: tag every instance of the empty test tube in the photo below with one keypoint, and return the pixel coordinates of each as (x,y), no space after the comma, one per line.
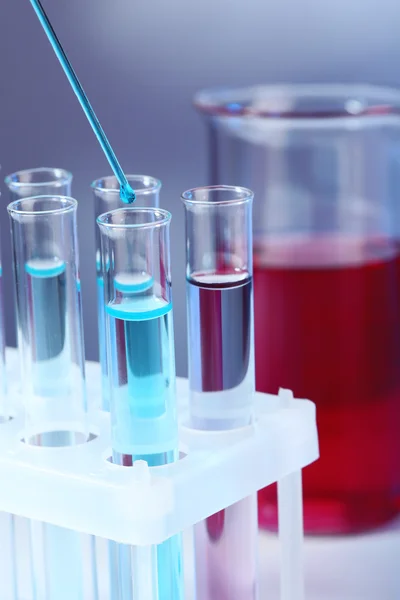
(8,576)
(41,181)
(5,408)
(106,192)
(221,371)
(50,339)
(141,370)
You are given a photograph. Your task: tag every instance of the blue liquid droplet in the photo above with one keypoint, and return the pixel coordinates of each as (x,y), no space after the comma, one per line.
(127,194)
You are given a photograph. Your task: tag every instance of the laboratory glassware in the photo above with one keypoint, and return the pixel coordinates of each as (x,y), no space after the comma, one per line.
(141,370)
(5,408)
(39,182)
(51,351)
(126,192)
(8,571)
(107,198)
(219,277)
(323,162)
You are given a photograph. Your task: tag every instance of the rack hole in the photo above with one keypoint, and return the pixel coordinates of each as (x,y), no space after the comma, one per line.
(58,439)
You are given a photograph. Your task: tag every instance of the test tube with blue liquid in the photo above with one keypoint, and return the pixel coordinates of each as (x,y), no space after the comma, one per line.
(23,184)
(141,369)
(41,181)
(50,340)
(106,192)
(221,371)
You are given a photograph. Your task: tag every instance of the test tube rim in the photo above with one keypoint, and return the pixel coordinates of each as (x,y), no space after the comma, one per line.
(246,195)
(65,177)
(164,220)
(155,184)
(66,204)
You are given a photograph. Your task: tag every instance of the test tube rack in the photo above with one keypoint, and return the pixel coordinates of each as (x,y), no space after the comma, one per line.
(76,487)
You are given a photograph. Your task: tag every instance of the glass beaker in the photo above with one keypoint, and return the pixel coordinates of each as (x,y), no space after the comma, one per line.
(106,193)
(323,162)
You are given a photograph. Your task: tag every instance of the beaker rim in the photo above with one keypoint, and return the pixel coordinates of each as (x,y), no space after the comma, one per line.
(149,185)
(54,176)
(300,102)
(63,204)
(163,217)
(201,195)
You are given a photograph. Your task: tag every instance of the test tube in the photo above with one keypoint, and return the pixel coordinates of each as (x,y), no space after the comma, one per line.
(23,184)
(39,182)
(141,368)
(50,339)
(8,568)
(5,408)
(106,193)
(221,371)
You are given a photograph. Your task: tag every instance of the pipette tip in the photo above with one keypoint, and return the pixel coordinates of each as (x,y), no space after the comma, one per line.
(127,194)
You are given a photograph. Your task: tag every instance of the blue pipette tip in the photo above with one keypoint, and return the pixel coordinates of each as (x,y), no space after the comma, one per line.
(127,194)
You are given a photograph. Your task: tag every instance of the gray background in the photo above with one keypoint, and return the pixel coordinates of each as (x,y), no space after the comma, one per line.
(140,62)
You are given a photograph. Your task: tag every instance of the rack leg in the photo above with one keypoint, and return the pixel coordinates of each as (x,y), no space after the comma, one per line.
(291,536)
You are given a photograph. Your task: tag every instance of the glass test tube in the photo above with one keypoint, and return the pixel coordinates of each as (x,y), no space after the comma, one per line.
(5,408)
(107,197)
(8,568)
(141,369)
(221,371)
(49,318)
(38,182)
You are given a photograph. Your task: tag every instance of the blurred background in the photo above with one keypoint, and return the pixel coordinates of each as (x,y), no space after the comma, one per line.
(140,63)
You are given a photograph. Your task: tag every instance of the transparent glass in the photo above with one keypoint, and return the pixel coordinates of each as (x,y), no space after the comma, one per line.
(141,370)
(106,193)
(50,342)
(36,182)
(49,316)
(323,162)
(220,306)
(219,295)
(39,182)
(5,407)
(8,573)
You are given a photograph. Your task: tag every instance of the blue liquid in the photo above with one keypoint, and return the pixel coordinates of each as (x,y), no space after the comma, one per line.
(47,306)
(143,411)
(142,377)
(101,316)
(47,309)
(125,286)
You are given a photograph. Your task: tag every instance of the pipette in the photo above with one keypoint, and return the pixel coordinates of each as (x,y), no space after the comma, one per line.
(127,194)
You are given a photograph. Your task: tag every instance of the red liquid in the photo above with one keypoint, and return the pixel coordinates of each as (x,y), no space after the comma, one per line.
(327,317)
